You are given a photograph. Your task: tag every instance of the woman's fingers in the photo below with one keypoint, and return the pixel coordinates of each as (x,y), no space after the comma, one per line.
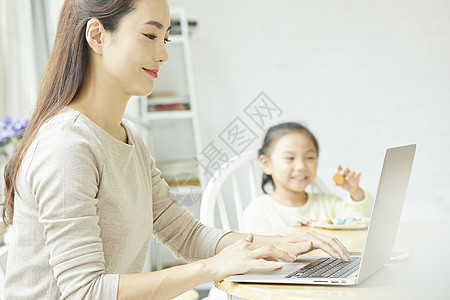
(265,264)
(330,245)
(304,247)
(271,252)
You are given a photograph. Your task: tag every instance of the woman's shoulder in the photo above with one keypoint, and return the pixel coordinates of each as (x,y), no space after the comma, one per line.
(65,133)
(132,130)
(66,128)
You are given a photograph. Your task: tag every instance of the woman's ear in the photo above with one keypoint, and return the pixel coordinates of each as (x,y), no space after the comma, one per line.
(265,164)
(95,35)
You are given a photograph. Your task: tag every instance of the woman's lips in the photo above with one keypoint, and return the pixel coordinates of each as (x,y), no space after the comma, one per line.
(152,72)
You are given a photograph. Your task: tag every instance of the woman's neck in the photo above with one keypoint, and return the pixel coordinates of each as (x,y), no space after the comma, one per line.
(289,198)
(103,106)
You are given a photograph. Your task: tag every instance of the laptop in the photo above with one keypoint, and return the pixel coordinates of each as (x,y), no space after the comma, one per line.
(379,241)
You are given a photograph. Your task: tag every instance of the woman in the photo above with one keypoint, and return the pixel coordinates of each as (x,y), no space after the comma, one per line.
(84,194)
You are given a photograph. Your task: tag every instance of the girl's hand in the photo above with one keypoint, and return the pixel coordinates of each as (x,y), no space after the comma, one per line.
(243,256)
(303,221)
(351,183)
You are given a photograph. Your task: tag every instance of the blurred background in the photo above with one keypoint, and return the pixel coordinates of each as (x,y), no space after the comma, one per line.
(362,75)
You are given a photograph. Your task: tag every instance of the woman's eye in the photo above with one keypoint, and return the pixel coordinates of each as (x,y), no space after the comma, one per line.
(166,41)
(311,158)
(150,36)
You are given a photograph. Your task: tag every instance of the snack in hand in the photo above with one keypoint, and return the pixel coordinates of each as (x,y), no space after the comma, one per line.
(338,178)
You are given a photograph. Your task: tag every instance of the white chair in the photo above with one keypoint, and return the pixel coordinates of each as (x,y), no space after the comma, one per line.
(3,257)
(241,170)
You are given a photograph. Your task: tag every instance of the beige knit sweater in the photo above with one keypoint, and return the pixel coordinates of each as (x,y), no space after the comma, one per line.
(86,207)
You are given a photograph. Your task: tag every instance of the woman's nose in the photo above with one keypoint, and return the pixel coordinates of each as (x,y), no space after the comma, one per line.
(161,56)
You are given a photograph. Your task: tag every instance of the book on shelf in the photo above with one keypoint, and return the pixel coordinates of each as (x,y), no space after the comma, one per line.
(179,172)
(175,28)
(169,107)
(167,101)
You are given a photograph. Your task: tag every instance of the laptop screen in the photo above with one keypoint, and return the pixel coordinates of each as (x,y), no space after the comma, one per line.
(387,209)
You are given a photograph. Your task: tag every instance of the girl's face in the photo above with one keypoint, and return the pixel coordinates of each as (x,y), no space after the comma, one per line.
(292,163)
(133,54)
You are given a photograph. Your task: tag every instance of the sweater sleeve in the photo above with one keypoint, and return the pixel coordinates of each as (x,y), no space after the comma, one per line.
(176,227)
(63,176)
(357,209)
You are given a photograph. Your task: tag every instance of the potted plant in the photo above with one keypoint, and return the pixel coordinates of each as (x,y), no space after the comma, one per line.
(11,132)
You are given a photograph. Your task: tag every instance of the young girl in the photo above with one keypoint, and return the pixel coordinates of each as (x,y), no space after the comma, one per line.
(82,191)
(288,159)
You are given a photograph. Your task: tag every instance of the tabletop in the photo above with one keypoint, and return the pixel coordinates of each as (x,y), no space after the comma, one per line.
(419,277)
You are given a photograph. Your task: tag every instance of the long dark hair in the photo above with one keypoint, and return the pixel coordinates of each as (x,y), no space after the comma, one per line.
(273,135)
(64,74)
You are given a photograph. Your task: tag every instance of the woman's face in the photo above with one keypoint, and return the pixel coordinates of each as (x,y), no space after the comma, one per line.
(133,54)
(293,162)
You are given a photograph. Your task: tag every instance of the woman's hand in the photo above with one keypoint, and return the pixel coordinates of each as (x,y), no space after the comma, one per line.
(307,241)
(237,255)
(243,256)
(351,183)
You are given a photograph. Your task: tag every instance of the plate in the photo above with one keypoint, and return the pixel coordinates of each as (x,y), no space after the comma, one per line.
(340,227)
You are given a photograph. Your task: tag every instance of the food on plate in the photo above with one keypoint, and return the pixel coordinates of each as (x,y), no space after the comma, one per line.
(344,221)
(327,221)
(364,221)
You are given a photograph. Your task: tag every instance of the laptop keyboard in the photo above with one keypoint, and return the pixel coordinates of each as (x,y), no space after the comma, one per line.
(327,267)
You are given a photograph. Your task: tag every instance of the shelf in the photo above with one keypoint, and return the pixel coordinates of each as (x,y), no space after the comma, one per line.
(168,115)
(176,39)
(168,100)
(172,108)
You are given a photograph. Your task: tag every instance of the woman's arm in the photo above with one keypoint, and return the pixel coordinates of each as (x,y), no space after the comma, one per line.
(164,284)
(239,257)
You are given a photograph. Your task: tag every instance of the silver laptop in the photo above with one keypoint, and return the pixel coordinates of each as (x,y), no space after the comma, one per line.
(379,242)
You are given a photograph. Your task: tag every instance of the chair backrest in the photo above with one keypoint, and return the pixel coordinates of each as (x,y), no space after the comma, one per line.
(244,165)
(3,257)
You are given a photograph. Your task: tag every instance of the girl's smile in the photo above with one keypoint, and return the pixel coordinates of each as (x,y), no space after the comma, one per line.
(292,164)
(300,178)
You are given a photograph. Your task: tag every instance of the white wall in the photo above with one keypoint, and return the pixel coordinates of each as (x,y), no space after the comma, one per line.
(27,29)
(363,75)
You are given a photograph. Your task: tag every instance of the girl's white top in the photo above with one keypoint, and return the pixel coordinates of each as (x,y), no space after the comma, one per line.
(266,216)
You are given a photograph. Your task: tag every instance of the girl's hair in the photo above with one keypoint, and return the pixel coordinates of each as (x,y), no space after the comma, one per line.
(64,74)
(273,135)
